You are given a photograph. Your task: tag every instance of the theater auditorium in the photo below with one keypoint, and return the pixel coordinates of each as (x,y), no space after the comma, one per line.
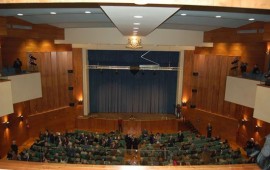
(138,84)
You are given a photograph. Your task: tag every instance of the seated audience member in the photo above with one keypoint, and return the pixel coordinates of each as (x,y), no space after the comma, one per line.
(135,143)
(144,133)
(209,130)
(152,138)
(249,146)
(256,69)
(14,147)
(243,67)
(254,153)
(171,141)
(158,137)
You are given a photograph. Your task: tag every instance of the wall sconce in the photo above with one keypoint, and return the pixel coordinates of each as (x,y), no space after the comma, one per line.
(257,128)
(20,117)
(80,102)
(184,103)
(6,124)
(243,121)
(268,51)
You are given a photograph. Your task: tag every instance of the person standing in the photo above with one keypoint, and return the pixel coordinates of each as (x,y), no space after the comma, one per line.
(120,125)
(209,130)
(17,65)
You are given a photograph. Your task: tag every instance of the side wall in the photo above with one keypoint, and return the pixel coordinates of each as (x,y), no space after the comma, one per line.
(52,111)
(213,65)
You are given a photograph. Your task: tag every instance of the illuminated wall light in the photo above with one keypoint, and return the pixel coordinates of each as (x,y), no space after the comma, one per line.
(243,121)
(80,102)
(251,19)
(6,124)
(20,14)
(257,128)
(20,117)
(268,51)
(136,23)
(52,13)
(184,102)
(218,16)
(183,14)
(87,12)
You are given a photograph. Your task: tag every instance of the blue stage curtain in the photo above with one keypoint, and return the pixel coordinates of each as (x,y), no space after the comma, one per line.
(121,91)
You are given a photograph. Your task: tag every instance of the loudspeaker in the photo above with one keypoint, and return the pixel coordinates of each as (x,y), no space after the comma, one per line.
(70,88)
(193,106)
(195,73)
(134,69)
(70,71)
(194,90)
(71,104)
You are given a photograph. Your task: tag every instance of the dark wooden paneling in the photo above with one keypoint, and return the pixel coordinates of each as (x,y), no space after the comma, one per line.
(77,73)
(129,126)
(223,126)
(187,76)
(57,120)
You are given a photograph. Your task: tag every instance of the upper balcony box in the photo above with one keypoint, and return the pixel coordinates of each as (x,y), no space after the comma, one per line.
(25,86)
(241,91)
(6,104)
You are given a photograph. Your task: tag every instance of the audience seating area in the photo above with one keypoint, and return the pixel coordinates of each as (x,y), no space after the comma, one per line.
(82,147)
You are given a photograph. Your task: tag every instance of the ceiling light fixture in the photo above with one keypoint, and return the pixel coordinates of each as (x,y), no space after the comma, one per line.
(87,12)
(136,23)
(218,16)
(134,42)
(135,28)
(20,14)
(138,16)
(52,13)
(140,2)
(183,14)
(251,19)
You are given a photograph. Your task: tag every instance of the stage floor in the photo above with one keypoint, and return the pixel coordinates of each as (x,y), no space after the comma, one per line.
(137,116)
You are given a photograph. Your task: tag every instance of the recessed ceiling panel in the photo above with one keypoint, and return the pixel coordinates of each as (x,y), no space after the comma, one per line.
(151,18)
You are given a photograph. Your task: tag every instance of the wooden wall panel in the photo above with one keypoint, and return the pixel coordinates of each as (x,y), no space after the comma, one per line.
(223,126)
(78,73)
(55,80)
(129,126)
(57,120)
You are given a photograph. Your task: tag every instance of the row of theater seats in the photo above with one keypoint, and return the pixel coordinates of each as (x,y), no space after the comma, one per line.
(84,147)
(194,150)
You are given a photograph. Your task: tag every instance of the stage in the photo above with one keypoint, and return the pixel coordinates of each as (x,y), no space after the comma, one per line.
(133,123)
(136,116)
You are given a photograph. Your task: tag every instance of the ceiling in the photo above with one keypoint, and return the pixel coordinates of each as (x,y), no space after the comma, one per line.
(199,19)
